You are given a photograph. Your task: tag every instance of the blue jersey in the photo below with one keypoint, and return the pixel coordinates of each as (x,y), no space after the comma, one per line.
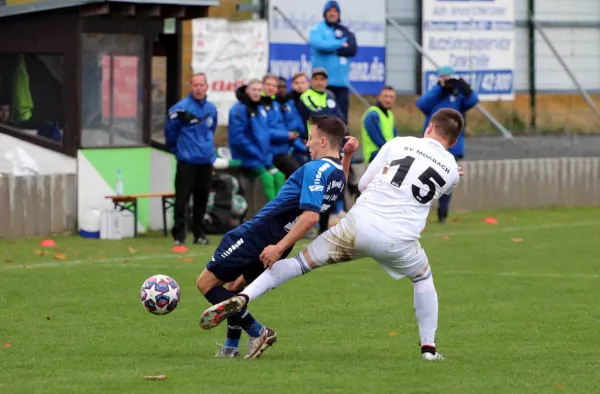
(315,186)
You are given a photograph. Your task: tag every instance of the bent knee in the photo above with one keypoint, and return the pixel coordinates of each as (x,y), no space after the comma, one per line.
(206,281)
(237,285)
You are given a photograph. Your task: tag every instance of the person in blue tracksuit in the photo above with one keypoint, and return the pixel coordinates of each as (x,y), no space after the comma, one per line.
(189,134)
(291,116)
(332,45)
(283,138)
(449,92)
(249,138)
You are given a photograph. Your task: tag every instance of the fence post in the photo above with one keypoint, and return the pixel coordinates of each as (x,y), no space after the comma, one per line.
(532,82)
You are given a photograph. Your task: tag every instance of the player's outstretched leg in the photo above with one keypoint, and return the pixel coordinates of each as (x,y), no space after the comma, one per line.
(280,272)
(426,311)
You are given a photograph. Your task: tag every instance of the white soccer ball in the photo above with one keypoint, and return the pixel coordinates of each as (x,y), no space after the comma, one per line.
(160,294)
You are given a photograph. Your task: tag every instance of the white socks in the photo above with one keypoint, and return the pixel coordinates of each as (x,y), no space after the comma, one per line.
(280,272)
(426,307)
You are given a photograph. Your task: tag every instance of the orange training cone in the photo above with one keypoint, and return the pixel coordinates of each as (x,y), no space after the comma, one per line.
(179,249)
(48,243)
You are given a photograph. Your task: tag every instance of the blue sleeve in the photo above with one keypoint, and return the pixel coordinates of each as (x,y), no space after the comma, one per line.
(215,120)
(312,189)
(238,124)
(395,132)
(278,133)
(429,100)
(373,127)
(351,49)
(172,128)
(470,102)
(318,41)
(299,145)
(304,111)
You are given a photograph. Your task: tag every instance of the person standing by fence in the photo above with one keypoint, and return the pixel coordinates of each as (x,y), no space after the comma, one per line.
(449,92)
(189,134)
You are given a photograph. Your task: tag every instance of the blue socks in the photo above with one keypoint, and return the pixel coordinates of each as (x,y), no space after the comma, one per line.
(241,320)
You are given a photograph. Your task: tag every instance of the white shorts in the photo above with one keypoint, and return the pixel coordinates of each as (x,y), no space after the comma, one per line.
(352,239)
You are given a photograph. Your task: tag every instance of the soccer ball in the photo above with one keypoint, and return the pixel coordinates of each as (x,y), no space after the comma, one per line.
(160,294)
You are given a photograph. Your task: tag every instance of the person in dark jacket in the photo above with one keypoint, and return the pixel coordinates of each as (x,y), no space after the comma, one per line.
(332,45)
(283,139)
(189,134)
(291,116)
(449,92)
(250,139)
(316,100)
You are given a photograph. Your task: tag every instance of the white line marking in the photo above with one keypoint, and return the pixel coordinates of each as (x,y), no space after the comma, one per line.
(132,259)
(513,229)
(523,274)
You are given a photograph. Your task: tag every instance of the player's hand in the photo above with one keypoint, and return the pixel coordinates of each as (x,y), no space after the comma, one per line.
(350,146)
(293,135)
(270,255)
(461,172)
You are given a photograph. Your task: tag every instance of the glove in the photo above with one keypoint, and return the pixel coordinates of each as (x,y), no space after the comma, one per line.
(464,87)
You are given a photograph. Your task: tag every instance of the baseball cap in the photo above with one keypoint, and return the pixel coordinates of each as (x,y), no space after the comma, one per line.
(446,71)
(319,70)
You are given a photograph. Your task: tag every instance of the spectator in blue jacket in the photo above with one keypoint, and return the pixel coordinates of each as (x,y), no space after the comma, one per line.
(250,139)
(332,45)
(293,120)
(283,138)
(449,92)
(189,134)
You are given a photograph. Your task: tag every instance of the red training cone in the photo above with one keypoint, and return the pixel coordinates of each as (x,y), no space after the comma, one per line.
(179,249)
(48,243)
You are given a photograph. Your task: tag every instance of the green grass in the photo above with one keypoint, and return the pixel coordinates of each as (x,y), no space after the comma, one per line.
(514,317)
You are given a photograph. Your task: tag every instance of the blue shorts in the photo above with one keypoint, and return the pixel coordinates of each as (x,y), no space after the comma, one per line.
(239,256)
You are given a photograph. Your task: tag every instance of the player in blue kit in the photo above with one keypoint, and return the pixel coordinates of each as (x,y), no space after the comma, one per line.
(245,251)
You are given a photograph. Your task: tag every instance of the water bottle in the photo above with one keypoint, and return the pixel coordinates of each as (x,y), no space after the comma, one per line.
(119,188)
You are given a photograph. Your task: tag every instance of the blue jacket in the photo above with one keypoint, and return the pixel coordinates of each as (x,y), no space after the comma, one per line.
(352,48)
(190,131)
(248,133)
(306,113)
(293,120)
(438,98)
(325,40)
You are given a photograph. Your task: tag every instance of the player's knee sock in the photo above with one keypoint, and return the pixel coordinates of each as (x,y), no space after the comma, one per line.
(280,272)
(426,307)
(234,333)
(268,184)
(242,319)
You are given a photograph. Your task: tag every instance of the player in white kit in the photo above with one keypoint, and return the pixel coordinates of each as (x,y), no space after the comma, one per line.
(398,189)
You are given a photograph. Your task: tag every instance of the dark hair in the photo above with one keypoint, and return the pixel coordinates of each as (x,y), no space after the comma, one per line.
(448,124)
(387,87)
(282,79)
(331,126)
(4,100)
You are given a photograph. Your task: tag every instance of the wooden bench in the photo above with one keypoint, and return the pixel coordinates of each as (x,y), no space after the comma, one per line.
(128,202)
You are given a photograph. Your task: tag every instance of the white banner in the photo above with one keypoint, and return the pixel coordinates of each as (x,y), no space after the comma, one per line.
(229,53)
(476,38)
(289,53)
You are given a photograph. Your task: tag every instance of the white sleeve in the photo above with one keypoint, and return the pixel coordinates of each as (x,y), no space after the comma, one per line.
(373,169)
(454,183)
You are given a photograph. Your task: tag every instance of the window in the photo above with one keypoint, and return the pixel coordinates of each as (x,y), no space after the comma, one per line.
(112,88)
(31,95)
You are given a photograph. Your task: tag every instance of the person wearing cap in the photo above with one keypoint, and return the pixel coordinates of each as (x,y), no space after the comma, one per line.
(317,100)
(332,45)
(449,92)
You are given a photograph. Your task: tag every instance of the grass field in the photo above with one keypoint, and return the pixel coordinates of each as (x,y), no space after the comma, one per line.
(519,312)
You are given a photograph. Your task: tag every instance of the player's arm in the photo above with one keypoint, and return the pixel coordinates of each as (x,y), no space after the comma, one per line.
(373,168)
(305,222)
(349,148)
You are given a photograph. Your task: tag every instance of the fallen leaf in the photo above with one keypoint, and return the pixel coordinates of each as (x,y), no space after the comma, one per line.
(187,259)
(47,317)
(392,334)
(518,239)
(125,261)
(455,220)
(75,252)
(155,377)
(560,386)
(60,256)
(9,261)
(38,252)
(424,230)
(7,344)
(131,250)
(445,237)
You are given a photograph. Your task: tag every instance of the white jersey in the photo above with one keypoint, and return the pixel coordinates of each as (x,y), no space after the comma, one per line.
(402,182)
